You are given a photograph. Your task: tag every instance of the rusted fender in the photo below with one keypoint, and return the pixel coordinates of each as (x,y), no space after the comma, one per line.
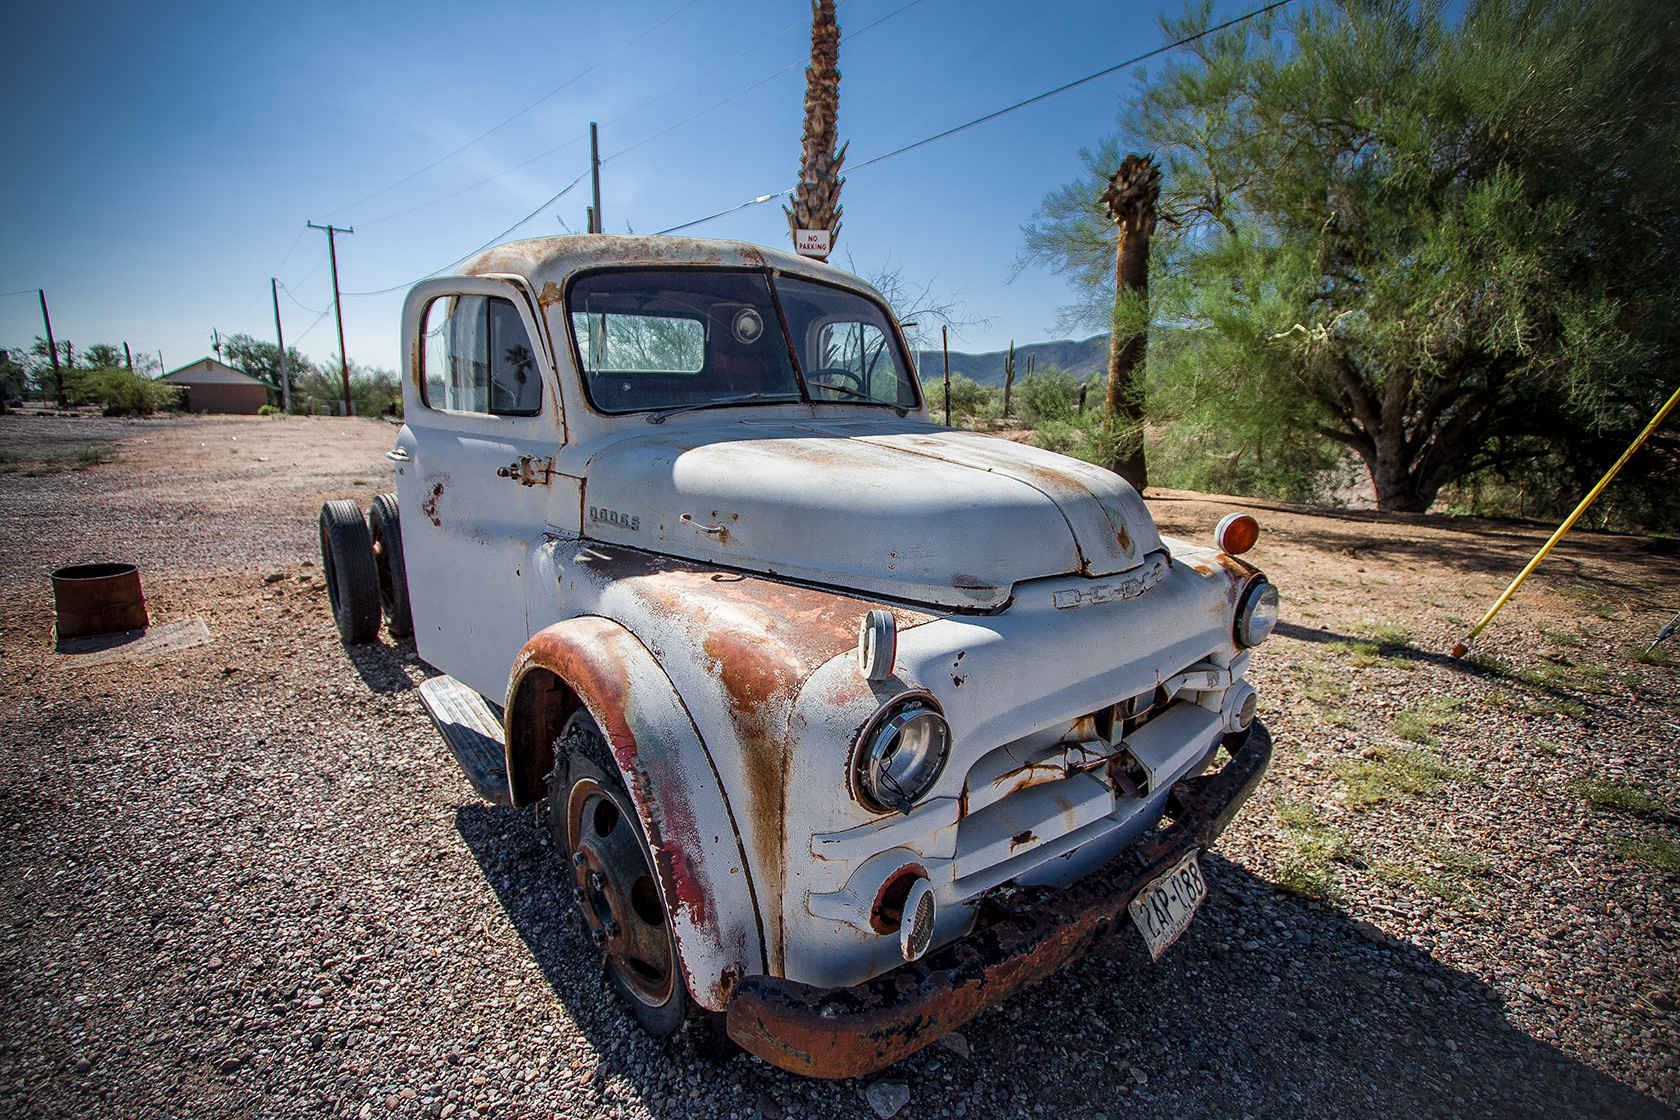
(849,1032)
(697,854)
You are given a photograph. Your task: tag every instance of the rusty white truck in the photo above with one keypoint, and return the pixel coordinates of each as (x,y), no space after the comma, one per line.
(847,724)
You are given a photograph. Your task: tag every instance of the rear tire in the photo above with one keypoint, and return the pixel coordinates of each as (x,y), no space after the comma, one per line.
(614,888)
(391,572)
(347,564)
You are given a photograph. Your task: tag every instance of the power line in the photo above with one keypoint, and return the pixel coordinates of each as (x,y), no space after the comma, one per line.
(494,240)
(555,198)
(20,292)
(1010,109)
(563,85)
(638,108)
(1070,85)
(628,112)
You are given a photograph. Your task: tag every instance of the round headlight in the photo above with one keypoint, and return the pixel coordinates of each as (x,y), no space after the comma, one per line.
(900,755)
(1258,614)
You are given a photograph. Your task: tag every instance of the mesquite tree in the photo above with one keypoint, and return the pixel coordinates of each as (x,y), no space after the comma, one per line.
(1440,238)
(816,201)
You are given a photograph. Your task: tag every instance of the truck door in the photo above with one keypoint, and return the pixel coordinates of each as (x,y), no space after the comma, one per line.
(475,481)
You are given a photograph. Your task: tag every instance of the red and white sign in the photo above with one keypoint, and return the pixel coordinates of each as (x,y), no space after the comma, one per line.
(812,242)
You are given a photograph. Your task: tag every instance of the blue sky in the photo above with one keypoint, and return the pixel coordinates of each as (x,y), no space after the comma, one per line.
(163,159)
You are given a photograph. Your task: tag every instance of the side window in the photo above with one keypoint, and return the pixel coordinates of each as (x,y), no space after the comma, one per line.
(478,358)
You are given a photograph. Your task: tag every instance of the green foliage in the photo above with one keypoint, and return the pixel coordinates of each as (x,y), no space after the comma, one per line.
(1049,395)
(969,398)
(1653,851)
(1306,870)
(1623,799)
(262,359)
(270,410)
(51,460)
(1391,774)
(1449,238)
(373,390)
(120,392)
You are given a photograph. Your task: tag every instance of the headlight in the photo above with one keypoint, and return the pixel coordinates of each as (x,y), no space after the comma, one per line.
(1257,614)
(900,754)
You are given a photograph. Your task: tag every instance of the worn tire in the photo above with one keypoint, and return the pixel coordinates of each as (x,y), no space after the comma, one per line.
(584,781)
(390,570)
(347,564)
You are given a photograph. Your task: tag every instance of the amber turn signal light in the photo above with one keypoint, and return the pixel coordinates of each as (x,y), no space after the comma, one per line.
(1236,533)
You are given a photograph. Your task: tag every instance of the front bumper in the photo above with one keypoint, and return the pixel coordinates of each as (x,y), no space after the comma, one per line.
(849,1032)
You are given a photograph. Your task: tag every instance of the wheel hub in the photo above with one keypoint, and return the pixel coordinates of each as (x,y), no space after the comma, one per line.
(615,892)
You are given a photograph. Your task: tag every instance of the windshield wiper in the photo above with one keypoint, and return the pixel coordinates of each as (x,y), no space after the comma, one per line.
(659,417)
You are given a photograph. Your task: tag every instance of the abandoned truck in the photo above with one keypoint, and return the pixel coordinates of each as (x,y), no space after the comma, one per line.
(847,724)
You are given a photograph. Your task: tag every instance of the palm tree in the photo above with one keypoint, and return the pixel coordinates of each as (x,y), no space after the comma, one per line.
(1131,197)
(816,201)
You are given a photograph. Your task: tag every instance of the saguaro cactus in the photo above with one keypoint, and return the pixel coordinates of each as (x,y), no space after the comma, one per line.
(1130,198)
(816,201)
(1008,376)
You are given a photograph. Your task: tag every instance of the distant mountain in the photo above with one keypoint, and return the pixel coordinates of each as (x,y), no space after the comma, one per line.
(1082,359)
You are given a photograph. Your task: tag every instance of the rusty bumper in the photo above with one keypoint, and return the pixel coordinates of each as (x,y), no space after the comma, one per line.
(848,1032)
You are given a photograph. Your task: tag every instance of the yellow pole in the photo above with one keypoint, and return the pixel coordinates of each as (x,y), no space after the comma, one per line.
(1463,647)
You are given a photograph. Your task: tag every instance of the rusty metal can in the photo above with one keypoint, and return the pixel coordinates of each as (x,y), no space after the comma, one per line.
(98,599)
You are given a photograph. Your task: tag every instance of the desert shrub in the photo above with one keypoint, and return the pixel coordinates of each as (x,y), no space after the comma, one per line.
(1042,397)
(121,391)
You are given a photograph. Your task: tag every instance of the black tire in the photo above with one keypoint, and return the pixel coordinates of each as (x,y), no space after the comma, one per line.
(347,564)
(390,570)
(587,808)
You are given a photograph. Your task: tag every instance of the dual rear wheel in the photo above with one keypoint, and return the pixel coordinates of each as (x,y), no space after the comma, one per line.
(362,562)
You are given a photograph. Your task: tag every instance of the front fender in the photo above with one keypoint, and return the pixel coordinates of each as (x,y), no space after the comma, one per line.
(669,773)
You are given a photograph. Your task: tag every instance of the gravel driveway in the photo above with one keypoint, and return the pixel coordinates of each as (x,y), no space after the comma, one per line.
(245,878)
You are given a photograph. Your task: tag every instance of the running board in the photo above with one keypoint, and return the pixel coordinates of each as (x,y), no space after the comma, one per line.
(474,733)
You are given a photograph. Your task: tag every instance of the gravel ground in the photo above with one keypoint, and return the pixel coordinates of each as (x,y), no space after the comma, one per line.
(245,878)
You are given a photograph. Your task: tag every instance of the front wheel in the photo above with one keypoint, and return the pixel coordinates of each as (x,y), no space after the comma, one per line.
(613,884)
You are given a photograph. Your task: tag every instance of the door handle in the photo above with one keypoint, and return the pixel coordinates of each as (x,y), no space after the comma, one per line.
(397,454)
(528,471)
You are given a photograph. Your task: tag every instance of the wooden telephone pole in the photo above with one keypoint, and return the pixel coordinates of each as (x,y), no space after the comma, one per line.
(280,337)
(338,309)
(52,349)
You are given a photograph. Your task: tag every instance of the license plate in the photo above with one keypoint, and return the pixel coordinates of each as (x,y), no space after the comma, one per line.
(1164,907)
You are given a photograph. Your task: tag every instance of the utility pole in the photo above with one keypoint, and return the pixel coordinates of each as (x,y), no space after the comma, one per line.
(590,224)
(128,358)
(52,348)
(216,342)
(285,374)
(595,173)
(338,310)
(162,369)
(945,345)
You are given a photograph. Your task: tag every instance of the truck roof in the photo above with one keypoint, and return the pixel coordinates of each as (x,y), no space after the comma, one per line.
(552,260)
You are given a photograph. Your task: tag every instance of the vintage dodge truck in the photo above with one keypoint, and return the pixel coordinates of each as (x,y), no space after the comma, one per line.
(847,724)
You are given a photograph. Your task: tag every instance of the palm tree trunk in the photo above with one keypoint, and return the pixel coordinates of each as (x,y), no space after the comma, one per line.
(1131,196)
(816,201)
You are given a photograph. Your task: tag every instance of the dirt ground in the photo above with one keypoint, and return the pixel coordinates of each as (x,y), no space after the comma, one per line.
(245,878)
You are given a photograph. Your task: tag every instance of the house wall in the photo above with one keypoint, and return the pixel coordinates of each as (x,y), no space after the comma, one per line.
(223,398)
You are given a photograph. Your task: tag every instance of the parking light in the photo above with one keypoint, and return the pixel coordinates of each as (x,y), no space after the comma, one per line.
(1236,533)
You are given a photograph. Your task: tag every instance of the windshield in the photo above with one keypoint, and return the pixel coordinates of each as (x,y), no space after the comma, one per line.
(651,340)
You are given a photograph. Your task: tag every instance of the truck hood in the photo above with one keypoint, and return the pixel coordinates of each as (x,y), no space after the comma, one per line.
(902,510)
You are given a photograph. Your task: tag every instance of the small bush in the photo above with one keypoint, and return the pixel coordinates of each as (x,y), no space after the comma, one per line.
(121,391)
(1388,775)
(1609,795)
(1653,851)
(52,460)
(270,410)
